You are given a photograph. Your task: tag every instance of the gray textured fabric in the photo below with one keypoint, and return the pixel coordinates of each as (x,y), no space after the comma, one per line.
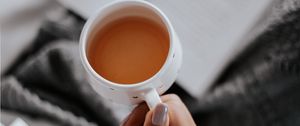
(262,86)
(20,99)
(54,80)
(47,80)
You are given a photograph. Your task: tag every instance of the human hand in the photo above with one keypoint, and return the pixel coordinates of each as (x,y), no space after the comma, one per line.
(172,112)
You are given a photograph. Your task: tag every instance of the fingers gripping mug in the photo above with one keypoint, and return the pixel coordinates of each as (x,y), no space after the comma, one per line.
(108,71)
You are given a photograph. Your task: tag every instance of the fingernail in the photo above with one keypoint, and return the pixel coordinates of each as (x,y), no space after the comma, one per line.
(160,114)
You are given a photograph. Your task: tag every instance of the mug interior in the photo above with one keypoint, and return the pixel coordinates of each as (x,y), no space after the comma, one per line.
(122,10)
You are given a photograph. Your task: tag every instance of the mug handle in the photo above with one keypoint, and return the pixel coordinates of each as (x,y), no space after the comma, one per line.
(152,98)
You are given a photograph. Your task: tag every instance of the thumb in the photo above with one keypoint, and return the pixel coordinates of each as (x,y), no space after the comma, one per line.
(158,116)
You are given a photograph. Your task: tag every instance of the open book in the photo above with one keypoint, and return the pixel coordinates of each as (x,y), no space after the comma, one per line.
(212,32)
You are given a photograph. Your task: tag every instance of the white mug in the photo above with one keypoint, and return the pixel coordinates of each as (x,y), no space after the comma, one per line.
(150,89)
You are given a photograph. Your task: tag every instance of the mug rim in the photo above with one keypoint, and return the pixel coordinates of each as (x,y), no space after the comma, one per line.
(93,19)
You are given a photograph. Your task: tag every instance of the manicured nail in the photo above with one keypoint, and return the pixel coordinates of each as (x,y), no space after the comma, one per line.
(160,114)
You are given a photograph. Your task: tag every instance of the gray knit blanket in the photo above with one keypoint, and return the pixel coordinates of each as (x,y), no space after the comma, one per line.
(260,87)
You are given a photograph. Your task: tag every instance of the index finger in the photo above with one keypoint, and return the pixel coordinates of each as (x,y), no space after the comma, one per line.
(137,116)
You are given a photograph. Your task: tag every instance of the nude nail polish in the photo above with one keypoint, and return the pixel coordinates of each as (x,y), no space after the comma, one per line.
(160,114)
